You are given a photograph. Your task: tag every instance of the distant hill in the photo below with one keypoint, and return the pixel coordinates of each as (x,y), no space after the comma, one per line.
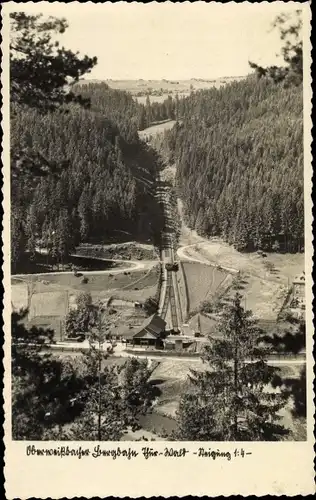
(140,87)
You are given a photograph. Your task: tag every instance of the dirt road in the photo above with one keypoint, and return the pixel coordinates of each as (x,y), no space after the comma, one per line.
(131,265)
(120,351)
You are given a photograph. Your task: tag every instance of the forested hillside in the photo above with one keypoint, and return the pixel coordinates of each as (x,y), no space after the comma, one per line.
(103,180)
(127,113)
(239,156)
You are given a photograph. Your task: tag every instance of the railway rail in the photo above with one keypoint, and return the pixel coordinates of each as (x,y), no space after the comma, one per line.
(167,295)
(169,303)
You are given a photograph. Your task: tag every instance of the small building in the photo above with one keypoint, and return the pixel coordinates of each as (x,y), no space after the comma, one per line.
(151,332)
(123,333)
(148,333)
(299,286)
(177,342)
(187,330)
(298,302)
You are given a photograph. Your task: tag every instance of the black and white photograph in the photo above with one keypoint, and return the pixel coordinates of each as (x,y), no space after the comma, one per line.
(157,233)
(158,247)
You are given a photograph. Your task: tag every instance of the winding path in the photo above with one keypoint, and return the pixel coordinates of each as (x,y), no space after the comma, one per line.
(181,252)
(131,265)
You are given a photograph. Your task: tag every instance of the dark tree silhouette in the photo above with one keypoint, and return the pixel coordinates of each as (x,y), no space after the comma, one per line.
(290,27)
(41,72)
(229,401)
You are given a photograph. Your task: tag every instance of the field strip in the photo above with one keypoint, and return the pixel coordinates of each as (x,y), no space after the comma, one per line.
(184,295)
(126,287)
(211,284)
(224,291)
(206,260)
(252,273)
(202,260)
(177,300)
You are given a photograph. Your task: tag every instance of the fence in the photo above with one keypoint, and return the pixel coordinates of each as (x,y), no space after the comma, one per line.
(278,356)
(287,301)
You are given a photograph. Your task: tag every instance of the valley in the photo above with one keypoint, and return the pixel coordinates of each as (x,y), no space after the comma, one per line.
(205,271)
(157,245)
(157,254)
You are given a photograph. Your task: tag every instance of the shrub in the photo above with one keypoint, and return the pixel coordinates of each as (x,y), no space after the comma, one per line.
(276,246)
(206,307)
(151,305)
(269,266)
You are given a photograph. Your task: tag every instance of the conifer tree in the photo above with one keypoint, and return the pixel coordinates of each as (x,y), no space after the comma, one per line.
(18,239)
(230,400)
(290,27)
(81,320)
(101,418)
(113,397)
(42,385)
(148,111)
(42,72)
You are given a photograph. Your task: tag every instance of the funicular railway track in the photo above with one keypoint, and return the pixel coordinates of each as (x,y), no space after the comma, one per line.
(167,295)
(173,307)
(170,309)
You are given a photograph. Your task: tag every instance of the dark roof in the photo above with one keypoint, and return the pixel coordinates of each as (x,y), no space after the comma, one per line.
(154,321)
(153,325)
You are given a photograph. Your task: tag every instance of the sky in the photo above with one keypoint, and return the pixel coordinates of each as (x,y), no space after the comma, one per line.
(166,40)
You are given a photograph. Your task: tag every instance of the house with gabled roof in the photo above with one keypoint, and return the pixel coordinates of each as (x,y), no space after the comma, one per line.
(149,333)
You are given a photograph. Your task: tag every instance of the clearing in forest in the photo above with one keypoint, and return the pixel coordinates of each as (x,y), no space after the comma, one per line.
(127,250)
(49,304)
(265,278)
(156,129)
(203,282)
(52,294)
(19,296)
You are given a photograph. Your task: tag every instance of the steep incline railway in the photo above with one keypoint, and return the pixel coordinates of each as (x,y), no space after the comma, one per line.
(170,308)
(175,323)
(163,312)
